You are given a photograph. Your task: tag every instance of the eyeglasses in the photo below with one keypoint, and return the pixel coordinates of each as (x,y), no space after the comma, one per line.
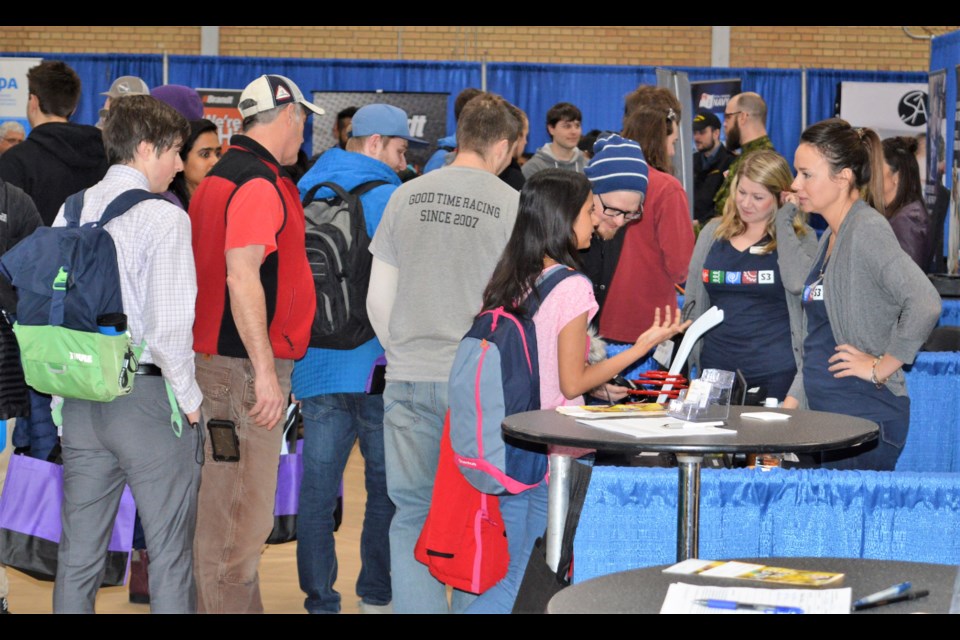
(613,212)
(727,116)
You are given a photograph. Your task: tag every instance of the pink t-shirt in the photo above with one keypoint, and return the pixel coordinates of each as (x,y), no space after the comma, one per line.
(569,299)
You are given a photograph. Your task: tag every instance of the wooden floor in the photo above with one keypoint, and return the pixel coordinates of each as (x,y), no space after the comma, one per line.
(278,566)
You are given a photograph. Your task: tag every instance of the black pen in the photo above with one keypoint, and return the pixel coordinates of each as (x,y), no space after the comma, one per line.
(912,595)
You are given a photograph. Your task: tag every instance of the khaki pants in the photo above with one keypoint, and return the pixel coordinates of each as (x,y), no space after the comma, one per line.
(235,510)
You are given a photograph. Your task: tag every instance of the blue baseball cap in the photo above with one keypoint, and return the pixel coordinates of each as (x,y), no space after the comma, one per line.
(384,120)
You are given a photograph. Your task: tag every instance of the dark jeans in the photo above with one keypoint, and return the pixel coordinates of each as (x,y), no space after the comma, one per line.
(331,425)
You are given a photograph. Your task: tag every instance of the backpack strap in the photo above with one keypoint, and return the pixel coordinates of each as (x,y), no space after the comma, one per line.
(339,191)
(545,284)
(123,202)
(73,207)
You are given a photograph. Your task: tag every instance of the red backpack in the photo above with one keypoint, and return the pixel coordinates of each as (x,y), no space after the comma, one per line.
(463,542)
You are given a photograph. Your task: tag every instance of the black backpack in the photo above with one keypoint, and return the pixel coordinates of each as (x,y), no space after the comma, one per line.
(338,249)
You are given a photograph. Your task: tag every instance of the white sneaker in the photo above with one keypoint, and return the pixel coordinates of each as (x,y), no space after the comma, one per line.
(365,607)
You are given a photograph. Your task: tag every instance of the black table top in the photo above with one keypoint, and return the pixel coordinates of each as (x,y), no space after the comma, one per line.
(643,590)
(805,431)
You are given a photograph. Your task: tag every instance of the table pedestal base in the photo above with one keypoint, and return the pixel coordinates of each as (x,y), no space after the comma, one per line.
(688,507)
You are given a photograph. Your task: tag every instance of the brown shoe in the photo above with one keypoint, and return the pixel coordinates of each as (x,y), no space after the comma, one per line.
(139,578)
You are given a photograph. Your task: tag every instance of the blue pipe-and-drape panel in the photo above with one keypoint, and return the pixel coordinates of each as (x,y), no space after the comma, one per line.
(945,54)
(933,443)
(822,87)
(98,71)
(629,518)
(950,313)
(598,90)
(328,75)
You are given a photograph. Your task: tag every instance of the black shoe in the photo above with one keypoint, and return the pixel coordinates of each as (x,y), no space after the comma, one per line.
(4,606)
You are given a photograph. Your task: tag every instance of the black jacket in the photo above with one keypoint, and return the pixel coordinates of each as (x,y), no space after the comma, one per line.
(707,178)
(56,160)
(18,219)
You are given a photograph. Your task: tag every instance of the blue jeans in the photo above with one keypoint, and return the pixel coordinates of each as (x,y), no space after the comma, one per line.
(331,424)
(880,455)
(525,519)
(412,425)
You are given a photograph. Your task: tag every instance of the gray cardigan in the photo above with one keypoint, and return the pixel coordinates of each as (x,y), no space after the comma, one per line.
(877,298)
(795,256)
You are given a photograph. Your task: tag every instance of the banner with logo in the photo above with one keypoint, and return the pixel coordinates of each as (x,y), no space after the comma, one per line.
(714,95)
(953,212)
(426,116)
(889,108)
(13,89)
(936,135)
(221,107)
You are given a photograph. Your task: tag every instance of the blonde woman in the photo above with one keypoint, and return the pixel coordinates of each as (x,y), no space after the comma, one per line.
(751,263)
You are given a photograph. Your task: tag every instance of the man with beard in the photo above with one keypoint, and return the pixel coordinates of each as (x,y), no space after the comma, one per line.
(744,122)
(709,163)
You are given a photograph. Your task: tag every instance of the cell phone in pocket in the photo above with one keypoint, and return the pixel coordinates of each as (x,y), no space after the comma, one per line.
(224,440)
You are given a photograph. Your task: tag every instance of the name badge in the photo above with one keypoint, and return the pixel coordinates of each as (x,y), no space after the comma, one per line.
(813,292)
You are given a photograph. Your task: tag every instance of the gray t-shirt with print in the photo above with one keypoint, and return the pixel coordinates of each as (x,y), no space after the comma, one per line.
(444,232)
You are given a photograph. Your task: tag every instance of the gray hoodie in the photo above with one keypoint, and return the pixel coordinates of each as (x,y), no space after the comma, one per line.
(544,159)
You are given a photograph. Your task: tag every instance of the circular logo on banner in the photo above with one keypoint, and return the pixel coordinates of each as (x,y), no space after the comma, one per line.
(913,108)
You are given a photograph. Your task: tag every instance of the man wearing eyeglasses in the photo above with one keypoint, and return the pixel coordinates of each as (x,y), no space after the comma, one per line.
(744,123)
(618,173)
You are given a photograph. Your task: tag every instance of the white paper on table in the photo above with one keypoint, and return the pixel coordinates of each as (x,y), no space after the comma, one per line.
(766,416)
(658,427)
(575,411)
(681,596)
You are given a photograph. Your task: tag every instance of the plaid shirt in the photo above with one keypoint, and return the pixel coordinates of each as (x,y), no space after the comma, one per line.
(158,280)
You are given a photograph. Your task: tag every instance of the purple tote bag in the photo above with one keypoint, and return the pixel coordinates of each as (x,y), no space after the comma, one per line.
(30,522)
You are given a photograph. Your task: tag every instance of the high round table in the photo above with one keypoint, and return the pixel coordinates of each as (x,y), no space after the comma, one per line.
(643,590)
(804,432)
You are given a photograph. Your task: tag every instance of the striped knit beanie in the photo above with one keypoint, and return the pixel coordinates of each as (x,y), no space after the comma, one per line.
(617,165)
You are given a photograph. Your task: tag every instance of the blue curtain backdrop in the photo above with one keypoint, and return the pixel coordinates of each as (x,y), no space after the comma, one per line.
(327,75)
(597,90)
(98,71)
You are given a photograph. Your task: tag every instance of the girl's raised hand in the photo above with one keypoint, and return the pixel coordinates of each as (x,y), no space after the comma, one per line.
(660,331)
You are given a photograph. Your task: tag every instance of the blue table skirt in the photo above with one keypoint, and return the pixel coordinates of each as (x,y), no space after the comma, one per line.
(629,518)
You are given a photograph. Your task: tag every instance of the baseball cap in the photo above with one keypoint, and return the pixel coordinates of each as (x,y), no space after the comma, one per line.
(127,86)
(269,91)
(705,118)
(385,120)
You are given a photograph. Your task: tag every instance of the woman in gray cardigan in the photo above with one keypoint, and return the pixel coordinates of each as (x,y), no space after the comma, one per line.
(761,333)
(867,306)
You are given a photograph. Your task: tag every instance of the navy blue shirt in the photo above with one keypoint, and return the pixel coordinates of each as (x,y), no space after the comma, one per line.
(850,395)
(755,333)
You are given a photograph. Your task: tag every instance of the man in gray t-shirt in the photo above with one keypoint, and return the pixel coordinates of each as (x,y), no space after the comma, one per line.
(434,251)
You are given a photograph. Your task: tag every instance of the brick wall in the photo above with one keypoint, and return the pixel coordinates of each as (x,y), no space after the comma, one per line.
(886,48)
(883,48)
(175,40)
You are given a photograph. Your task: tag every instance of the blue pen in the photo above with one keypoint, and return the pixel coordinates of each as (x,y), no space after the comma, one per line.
(748,606)
(889,592)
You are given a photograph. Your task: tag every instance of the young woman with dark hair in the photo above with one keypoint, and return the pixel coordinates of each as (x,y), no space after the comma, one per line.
(200,151)
(555,220)
(868,307)
(903,198)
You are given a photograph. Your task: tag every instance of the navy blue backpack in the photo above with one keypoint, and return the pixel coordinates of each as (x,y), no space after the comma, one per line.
(495,374)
